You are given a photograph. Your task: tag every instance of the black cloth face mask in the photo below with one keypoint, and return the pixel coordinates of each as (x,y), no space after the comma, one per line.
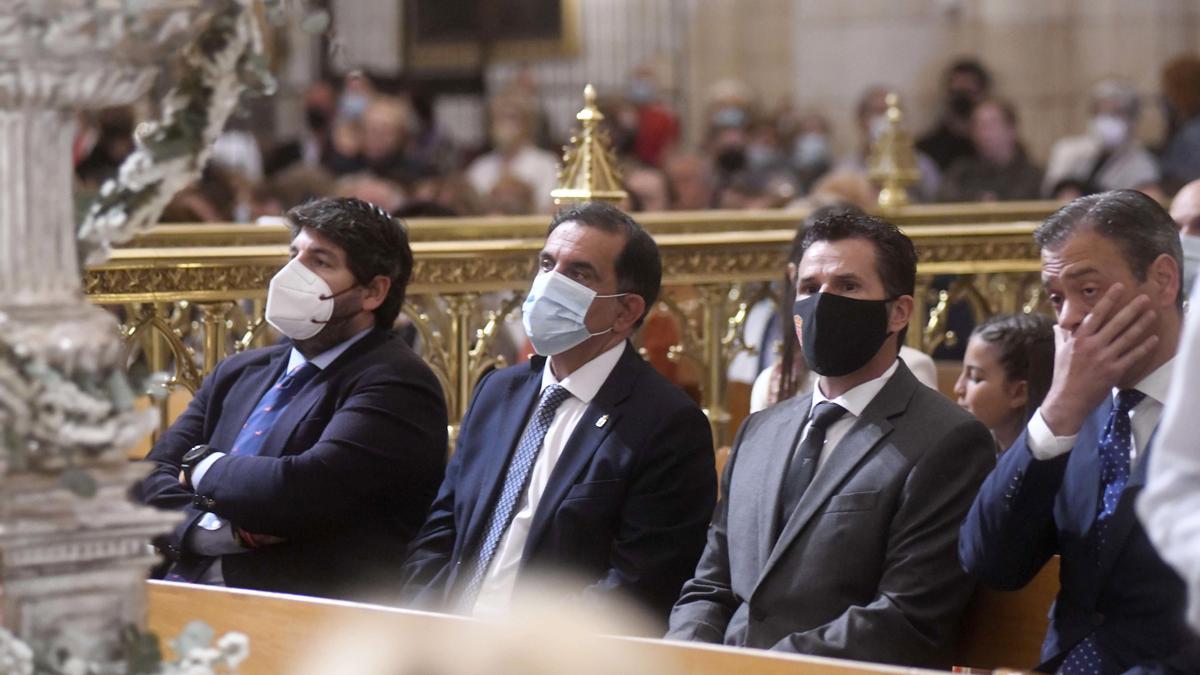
(838,334)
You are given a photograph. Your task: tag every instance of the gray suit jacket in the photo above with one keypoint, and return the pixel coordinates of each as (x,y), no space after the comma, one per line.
(866,567)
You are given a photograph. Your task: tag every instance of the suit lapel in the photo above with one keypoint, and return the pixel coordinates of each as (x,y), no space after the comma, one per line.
(498,448)
(863,437)
(778,450)
(584,441)
(1084,496)
(313,392)
(244,395)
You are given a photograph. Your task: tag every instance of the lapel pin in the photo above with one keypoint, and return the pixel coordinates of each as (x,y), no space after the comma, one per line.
(602,421)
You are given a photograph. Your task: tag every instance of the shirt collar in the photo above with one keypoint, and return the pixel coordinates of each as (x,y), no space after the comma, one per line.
(585,382)
(857,399)
(1156,384)
(326,357)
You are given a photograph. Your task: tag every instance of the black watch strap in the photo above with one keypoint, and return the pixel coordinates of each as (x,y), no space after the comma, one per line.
(192,458)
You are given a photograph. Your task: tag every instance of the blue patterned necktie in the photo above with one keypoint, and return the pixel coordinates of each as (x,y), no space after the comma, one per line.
(250,439)
(1116,444)
(516,479)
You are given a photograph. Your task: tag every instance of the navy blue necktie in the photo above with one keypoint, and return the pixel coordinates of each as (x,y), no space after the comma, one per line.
(516,479)
(250,439)
(1116,444)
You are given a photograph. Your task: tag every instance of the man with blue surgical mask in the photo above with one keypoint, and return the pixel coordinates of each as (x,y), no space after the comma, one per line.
(584,461)
(308,466)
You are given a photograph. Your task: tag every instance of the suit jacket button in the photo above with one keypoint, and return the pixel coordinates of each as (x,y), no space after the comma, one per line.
(198,502)
(1097,619)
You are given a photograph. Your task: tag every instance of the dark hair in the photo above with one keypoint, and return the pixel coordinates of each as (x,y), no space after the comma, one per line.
(1139,226)
(970,66)
(895,256)
(638,265)
(375,243)
(790,355)
(1025,343)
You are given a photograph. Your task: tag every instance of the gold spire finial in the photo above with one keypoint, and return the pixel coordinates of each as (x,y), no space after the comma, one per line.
(892,164)
(589,170)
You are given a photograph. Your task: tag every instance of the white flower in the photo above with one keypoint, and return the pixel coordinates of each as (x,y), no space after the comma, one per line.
(235,647)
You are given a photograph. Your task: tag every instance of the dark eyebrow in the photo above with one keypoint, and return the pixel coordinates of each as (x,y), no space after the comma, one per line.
(581,266)
(849,276)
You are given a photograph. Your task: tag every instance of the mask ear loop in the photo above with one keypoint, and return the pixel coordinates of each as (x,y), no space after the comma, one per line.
(612,295)
(335,319)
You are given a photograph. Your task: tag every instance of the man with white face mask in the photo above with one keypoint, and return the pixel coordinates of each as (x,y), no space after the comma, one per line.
(308,466)
(585,460)
(1109,156)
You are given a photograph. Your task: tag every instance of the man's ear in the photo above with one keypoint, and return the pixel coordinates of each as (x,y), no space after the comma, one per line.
(900,314)
(632,308)
(1164,275)
(376,292)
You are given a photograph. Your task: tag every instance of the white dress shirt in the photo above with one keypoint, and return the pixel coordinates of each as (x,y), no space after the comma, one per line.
(497,587)
(1169,506)
(1143,419)
(213,536)
(854,402)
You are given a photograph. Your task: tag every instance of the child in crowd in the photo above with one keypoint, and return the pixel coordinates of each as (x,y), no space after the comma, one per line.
(1006,372)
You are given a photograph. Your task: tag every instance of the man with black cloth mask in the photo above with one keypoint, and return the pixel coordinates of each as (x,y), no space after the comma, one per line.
(967,83)
(836,534)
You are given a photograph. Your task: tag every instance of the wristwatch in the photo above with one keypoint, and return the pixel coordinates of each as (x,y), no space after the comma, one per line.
(191,458)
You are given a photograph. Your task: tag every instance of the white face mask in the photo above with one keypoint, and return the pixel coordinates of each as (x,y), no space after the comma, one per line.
(1110,130)
(299,302)
(554,311)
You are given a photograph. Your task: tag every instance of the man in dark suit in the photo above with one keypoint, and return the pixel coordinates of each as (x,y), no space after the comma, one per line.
(307,467)
(836,532)
(587,462)
(1111,268)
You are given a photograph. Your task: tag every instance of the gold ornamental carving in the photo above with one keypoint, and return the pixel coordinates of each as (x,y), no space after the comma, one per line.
(589,171)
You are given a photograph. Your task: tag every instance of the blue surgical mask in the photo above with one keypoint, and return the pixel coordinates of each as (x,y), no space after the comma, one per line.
(554,311)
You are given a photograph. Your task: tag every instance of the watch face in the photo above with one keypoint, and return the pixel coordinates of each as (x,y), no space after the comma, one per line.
(195,453)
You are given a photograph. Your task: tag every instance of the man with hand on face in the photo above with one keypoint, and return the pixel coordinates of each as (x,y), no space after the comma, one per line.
(307,467)
(585,460)
(1111,268)
(836,532)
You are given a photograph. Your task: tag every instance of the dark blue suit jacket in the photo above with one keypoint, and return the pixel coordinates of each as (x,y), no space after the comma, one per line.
(1123,593)
(346,474)
(627,505)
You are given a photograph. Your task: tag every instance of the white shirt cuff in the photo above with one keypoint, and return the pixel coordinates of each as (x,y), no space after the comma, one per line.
(1042,442)
(203,467)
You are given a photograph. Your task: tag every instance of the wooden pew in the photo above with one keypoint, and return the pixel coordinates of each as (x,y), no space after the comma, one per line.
(282,627)
(1006,629)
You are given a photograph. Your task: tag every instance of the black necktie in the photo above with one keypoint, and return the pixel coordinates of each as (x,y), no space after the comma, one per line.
(803,466)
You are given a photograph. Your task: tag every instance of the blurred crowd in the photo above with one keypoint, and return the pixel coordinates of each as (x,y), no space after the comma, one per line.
(379,140)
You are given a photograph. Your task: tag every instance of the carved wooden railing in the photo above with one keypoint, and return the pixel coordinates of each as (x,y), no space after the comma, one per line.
(190,295)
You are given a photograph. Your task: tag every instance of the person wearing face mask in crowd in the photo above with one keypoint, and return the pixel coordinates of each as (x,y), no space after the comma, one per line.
(513,152)
(308,466)
(1108,156)
(657,125)
(966,83)
(836,531)
(585,460)
(1185,211)
(871,116)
